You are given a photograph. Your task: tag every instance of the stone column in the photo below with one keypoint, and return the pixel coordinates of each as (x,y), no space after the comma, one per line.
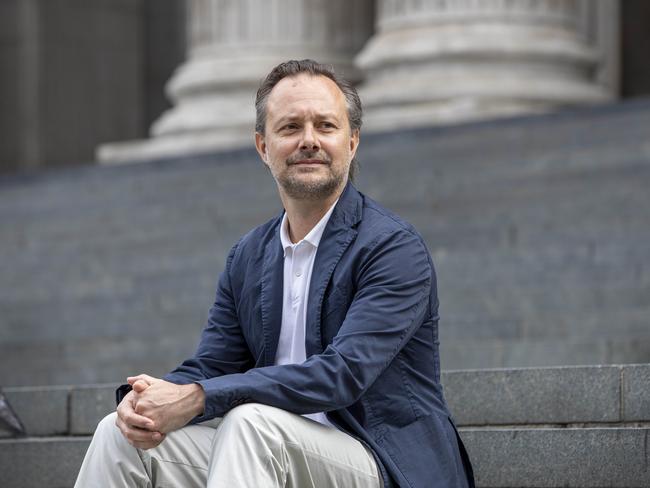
(233,44)
(444,61)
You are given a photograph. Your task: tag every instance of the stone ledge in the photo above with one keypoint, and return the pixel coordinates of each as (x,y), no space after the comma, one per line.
(36,462)
(42,410)
(60,410)
(88,405)
(599,457)
(525,396)
(502,457)
(556,395)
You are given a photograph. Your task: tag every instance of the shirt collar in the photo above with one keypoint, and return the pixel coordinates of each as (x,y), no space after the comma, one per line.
(314,235)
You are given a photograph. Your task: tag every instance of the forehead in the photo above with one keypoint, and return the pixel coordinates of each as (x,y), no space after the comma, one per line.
(305,91)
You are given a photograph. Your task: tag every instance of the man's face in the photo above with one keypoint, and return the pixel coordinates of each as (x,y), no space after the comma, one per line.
(307,144)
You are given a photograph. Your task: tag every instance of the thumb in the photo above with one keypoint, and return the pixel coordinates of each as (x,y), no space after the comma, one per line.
(140,385)
(149,380)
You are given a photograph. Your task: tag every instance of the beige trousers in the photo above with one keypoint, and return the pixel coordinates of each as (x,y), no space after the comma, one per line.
(254,446)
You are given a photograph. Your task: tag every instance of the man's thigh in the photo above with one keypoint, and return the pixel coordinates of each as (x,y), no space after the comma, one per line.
(293,450)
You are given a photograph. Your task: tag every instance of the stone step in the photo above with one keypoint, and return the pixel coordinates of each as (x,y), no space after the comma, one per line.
(509,353)
(536,427)
(559,457)
(537,226)
(516,396)
(556,395)
(37,462)
(502,457)
(467,342)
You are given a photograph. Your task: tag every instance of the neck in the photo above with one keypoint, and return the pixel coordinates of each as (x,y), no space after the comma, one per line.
(303,215)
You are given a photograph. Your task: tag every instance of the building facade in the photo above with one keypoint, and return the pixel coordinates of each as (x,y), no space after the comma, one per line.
(85,79)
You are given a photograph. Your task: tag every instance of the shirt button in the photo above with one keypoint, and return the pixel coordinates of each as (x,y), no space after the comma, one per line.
(298,273)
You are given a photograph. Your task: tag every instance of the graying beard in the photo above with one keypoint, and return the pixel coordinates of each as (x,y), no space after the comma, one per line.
(310,191)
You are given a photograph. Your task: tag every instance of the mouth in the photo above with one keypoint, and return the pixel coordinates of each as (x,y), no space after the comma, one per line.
(308,158)
(306,162)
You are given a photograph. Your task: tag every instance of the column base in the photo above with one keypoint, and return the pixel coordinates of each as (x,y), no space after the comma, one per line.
(174,145)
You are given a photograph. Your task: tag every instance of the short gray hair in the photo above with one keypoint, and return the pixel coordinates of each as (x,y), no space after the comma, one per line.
(313,68)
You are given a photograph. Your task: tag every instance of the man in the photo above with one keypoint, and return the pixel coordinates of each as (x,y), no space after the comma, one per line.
(319,363)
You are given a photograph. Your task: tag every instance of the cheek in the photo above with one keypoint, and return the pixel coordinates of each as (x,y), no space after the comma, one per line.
(282,149)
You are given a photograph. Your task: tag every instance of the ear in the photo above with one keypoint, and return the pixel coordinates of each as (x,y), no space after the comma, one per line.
(354,142)
(260,145)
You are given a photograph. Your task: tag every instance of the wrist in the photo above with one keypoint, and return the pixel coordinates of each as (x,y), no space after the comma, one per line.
(197,396)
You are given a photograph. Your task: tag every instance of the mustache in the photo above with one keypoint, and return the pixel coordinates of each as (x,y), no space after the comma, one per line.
(308,155)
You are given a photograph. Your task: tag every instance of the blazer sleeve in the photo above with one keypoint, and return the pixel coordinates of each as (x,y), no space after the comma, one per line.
(222,349)
(392,299)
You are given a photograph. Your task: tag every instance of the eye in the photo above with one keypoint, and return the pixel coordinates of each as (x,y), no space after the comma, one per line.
(327,125)
(289,127)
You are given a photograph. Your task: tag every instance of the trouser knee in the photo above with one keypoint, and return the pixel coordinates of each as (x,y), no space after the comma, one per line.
(250,414)
(107,430)
(252,418)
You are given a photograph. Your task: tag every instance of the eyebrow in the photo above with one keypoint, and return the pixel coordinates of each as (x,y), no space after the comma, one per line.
(294,117)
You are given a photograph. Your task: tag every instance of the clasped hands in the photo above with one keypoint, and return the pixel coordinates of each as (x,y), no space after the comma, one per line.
(156,407)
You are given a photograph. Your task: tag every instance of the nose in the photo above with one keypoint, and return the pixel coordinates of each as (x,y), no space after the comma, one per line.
(309,140)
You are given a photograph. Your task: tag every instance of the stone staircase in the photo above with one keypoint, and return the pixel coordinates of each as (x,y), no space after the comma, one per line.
(527,427)
(539,228)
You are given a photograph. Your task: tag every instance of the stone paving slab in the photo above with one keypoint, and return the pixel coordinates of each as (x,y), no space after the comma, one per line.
(534,395)
(526,458)
(36,463)
(42,410)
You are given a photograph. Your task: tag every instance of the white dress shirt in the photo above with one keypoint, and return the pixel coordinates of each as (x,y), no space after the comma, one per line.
(298,265)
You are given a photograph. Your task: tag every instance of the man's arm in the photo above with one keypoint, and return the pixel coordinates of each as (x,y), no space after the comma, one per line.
(391,302)
(156,406)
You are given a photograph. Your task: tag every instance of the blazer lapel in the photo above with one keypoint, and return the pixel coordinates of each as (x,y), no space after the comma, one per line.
(338,235)
(271,296)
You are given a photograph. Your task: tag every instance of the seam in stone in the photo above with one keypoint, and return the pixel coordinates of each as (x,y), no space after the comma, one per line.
(621,391)
(68,412)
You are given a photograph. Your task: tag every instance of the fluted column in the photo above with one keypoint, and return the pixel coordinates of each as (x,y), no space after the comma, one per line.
(233,44)
(442,61)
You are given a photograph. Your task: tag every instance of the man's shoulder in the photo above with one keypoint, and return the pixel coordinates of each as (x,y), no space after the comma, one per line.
(378,219)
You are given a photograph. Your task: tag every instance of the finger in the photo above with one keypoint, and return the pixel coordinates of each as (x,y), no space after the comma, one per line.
(126,413)
(144,377)
(140,385)
(131,418)
(139,435)
(147,445)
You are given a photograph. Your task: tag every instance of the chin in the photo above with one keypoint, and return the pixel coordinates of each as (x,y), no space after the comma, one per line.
(310,188)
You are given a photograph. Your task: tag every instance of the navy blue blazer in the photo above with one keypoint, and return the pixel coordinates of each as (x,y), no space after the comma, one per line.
(371,340)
